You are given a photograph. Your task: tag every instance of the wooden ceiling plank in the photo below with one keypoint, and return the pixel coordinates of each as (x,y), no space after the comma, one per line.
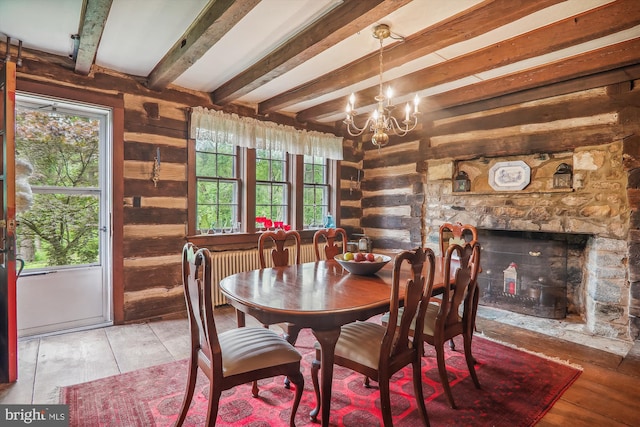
(215,20)
(593,24)
(94,19)
(482,18)
(342,22)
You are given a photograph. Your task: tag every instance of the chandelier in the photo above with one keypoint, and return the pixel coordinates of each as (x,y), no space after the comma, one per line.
(381,122)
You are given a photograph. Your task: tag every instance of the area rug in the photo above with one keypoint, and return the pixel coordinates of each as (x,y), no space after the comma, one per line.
(518,388)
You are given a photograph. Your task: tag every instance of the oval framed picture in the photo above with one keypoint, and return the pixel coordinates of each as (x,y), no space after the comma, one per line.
(509,176)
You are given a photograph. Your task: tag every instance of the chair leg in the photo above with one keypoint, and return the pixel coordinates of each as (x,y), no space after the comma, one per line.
(214,401)
(452,345)
(470,360)
(385,402)
(298,380)
(315,367)
(417,391)
(442,369)
(367,383)
(188,395)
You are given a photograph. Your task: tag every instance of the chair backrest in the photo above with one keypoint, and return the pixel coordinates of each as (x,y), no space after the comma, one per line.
(396,340)
(279,254)
(463,291)
(328,235)
(196,279)
(456,233)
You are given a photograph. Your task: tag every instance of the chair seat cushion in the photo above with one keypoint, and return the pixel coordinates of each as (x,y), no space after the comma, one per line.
(249,349)
(429,318)
(360,342)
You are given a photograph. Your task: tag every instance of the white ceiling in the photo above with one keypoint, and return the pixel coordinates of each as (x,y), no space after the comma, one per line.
(138,33)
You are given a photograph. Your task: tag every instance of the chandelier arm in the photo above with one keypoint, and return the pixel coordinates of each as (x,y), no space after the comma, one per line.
(399,130)
(353,129)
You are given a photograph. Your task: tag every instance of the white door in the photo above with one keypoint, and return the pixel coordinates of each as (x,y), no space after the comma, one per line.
(63,196)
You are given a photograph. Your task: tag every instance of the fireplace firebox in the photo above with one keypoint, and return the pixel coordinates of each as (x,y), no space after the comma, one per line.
(524,272)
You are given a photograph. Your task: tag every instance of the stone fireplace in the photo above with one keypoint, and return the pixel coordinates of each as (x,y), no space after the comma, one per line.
(592,218)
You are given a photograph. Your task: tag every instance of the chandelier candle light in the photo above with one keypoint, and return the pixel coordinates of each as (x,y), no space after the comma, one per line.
(381,122)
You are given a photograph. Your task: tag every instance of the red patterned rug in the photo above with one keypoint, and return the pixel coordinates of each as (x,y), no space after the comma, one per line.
(518,388)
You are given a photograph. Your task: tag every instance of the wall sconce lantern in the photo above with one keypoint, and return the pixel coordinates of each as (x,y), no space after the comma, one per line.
(461,182)
(563,177)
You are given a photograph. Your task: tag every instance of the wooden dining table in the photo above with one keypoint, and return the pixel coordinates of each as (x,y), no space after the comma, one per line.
(318,295)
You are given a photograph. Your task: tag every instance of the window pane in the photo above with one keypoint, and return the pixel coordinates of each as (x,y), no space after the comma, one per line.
(319,174)
(207,192)
(226,166)
(263,195)
(262,170)
(205,145)
(308,173)
(278,170)
(59,230)
(206,217)
(205,164)
(278,192)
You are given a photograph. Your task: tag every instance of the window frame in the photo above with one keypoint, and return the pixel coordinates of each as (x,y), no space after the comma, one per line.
(247,237)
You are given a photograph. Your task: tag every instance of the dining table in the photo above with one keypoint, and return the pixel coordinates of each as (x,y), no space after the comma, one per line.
(322,296)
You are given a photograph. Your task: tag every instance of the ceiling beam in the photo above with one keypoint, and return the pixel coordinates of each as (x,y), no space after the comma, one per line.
(608,58)
(577,29)
(215,20)
(95,16)
(340,23)
(480,19)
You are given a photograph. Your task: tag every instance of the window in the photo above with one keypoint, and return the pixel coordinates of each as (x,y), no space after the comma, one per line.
(316,191)
(272,187)
(241,168)
(217,187)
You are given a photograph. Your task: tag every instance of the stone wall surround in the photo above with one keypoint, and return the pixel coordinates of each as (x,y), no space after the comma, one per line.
(597,206)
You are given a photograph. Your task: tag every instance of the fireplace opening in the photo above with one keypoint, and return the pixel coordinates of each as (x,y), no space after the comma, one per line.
(533,273)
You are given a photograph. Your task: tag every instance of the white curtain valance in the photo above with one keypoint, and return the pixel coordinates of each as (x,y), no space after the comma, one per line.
(218,126)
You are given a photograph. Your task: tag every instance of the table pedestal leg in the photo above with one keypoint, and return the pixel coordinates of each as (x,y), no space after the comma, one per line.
(327,340)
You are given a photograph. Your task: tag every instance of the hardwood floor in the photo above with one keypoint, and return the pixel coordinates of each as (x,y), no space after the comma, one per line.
(606,393)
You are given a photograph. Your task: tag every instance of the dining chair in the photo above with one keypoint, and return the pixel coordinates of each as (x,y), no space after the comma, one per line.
(378,351)
(456,233)
(453,312)
(233,357)
(279,253)
(280,258)
(328,237)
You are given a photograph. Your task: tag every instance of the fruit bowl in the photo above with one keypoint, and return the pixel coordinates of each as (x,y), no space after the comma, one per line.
(363,268)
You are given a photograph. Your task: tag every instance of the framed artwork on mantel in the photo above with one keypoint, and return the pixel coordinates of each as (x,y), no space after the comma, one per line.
(509,176)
